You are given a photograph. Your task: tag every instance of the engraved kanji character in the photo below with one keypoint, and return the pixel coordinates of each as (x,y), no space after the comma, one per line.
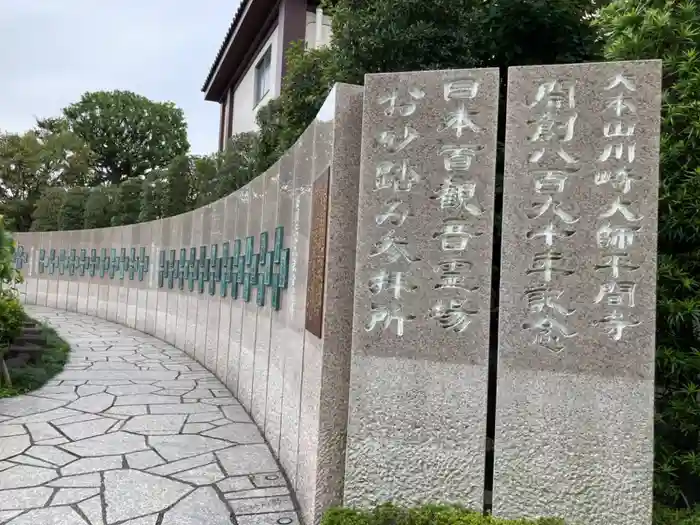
(542,299)
(459,120)
(453,314)
(556,95)
(615,262)
(452,275)
(393,282)
(621,207)
(548,128)
(620,104)
(618,148)
(616,293)
(616,237)
(537,155)
(394,248)
(398,176)
(461,89)
(550,181)
(459,158)
(548,233)
(614,324)
(620,179)
(404,110)
(545,263)
(549,332)
(460,195)
(454,236)
(540,208)
(384,315)
(393,143)
(395,211)
(620,79)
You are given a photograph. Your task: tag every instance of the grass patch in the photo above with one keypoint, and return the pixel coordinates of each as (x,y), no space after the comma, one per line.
(35,375)
(665,516)
(389,514)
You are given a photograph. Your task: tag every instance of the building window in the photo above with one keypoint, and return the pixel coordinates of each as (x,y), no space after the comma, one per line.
(262,75)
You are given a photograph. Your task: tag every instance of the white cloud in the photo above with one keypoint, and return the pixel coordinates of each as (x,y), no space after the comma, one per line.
(52,51)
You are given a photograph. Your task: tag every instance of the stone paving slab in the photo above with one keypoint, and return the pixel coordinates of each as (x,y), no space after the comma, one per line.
(133,432)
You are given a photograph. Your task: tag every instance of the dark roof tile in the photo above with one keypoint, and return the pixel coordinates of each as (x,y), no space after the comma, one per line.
(229,34)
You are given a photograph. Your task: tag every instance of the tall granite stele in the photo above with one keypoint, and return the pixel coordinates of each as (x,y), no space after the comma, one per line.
(418,387)
(575,407)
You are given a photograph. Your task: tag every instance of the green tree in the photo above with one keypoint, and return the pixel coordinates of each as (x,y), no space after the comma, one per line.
(32,161)
(9,275)
(72,212)
(206,171)
(99,207)
(177,191)
(371,36)
(129,134)
(236,164)
(150,203)
(127,204)
(639,29)
(47,212)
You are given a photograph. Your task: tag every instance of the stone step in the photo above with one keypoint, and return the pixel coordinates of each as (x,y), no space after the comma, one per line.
(33,352)
(34,339)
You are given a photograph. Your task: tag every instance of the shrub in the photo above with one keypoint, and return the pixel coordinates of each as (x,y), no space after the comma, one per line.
(27,378)
(663,516)
(9,275)
(426,515)
(11,319)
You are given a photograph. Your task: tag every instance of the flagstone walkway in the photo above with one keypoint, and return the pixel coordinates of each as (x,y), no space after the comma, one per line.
(135,432)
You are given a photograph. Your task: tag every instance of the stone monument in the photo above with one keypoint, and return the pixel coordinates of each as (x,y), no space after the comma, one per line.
(419,373)
(575,390)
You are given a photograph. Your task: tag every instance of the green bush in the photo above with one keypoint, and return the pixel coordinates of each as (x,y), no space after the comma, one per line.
(426,515)
(664,516)
(11,319)
(9,275)
(28,378)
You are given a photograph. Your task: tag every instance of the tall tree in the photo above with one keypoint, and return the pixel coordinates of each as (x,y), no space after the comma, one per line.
(150,203)
(33,161)
(127,204)
(99,206)
(178,187)
(72,212)
(669,29)
(129,134)
(47,212)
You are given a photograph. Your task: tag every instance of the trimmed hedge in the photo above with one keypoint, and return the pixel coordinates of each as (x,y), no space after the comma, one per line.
(389,514)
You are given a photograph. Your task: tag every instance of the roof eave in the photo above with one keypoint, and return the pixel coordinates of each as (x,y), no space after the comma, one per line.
(250,17)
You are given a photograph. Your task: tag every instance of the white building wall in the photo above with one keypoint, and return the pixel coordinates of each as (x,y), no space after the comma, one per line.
(244,107)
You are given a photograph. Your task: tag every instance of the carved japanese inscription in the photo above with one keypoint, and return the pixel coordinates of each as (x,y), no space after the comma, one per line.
(579,220)
(578,293)
(423,287)
(426,214)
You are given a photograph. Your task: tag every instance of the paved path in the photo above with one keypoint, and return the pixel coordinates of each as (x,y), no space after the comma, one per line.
(133,432)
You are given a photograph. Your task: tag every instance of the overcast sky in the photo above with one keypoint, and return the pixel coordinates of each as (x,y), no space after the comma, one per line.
(52,51)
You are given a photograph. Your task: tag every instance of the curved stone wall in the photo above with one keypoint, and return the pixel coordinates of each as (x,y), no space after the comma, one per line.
(257,287)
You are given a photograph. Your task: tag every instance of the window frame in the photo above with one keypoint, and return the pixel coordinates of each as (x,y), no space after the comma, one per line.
(263,71)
